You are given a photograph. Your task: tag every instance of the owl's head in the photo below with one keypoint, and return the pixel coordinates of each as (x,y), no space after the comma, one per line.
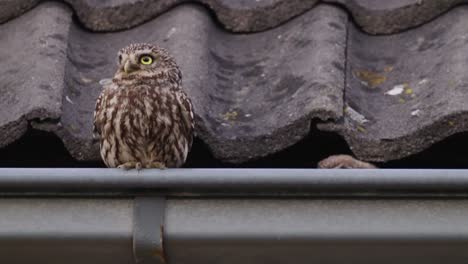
(146,60)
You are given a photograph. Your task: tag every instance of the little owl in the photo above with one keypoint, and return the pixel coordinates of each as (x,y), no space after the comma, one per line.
(143,118)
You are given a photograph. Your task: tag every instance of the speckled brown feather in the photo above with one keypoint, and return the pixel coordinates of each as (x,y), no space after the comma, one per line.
(144,119)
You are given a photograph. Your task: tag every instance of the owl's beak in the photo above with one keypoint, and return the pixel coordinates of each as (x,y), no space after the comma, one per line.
(129,67)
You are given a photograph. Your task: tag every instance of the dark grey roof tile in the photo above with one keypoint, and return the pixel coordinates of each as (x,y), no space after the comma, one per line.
(12,8)
(254,16)
(274,83)
(239,16)
(254,94)
(375,17)
(32,59)
(385,17)
(406,91)
(114,15)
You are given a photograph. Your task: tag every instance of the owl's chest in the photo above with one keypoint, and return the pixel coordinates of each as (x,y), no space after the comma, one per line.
(144,111)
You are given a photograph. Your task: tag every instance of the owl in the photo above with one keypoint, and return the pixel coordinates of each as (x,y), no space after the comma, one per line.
(143,118)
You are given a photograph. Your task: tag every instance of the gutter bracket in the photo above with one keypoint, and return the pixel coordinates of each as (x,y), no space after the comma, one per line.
(148,230)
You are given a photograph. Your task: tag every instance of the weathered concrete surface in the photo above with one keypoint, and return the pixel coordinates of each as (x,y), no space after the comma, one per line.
(406,91)
(32,59)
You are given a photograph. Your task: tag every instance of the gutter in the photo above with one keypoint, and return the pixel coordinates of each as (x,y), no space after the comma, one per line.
(228,216)
(234,182)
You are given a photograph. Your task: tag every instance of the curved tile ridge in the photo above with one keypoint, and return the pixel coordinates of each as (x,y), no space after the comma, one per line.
(265,87)
(115,15)
(386,17)
(253,94)
(31,68)
(238,16)
(406,91)
(10,9)
(374,17)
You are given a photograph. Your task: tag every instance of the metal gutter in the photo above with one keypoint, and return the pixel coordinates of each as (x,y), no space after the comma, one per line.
(60,230)
(304,231)
(227,216)
(234,182)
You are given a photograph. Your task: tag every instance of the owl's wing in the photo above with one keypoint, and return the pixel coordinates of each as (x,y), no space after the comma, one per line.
(99,107)
(97,112)
(187,114)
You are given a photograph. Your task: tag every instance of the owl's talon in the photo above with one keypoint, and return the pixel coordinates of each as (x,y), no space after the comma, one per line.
(130,165)
(123,167)
(138,166)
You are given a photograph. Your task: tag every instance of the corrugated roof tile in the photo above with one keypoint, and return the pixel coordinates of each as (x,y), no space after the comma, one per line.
(254,94)
(375,17)
(32,57)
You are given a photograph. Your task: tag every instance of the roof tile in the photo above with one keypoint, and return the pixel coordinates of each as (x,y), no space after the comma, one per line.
(32,58)
(410,88)
(254,94)
(375,17)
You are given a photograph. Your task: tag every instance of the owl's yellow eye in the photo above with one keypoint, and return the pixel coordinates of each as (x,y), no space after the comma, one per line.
(146,60)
